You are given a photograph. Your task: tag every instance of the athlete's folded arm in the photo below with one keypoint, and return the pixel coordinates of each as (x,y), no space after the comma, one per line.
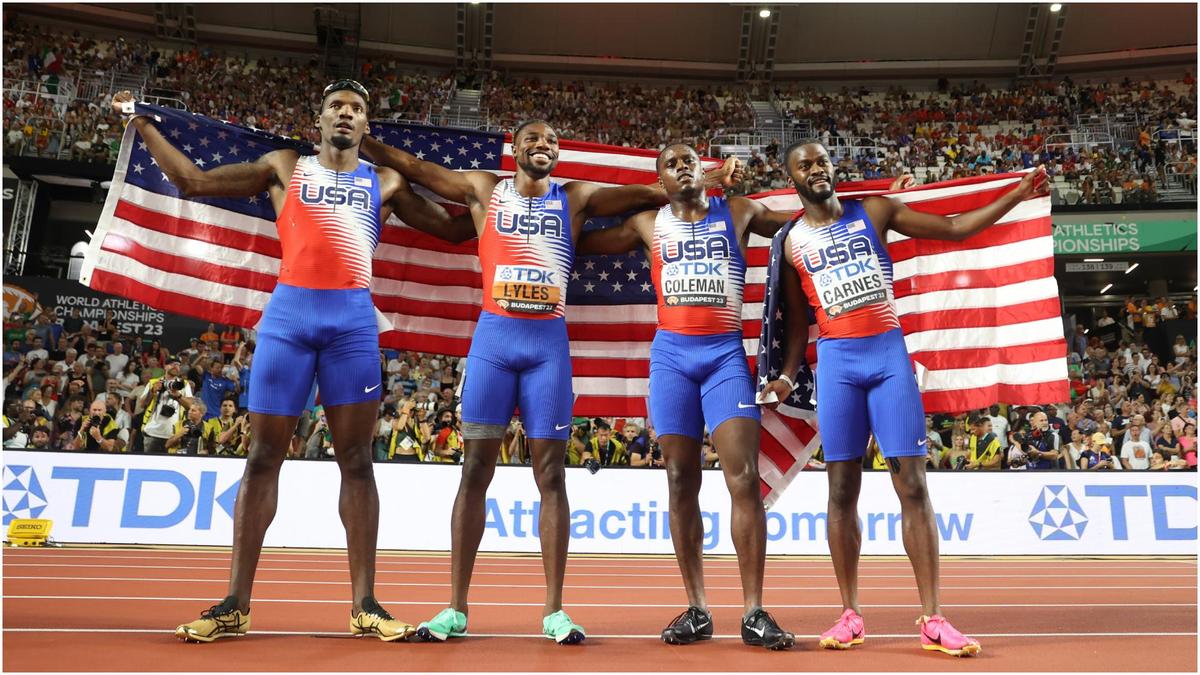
(612,240)
(244,179)
(600,202)
(464,187)
(428,216)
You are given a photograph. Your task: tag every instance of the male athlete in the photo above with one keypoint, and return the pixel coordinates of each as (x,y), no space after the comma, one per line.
(527,227)
(320,321)
(836,261)
(699,376)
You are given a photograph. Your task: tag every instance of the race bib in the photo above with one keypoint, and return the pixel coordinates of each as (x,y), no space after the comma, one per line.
(526,288)
(695,283)
(850,285)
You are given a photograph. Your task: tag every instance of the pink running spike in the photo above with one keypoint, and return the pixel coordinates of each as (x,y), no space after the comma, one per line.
(847,632)
(938,635)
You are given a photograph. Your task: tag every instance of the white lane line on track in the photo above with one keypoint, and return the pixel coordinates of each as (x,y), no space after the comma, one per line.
(439,603)
(538,572)
(539,636)
(434,584)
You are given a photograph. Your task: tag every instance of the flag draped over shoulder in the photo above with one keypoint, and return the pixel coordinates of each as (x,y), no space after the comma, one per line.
(981,317)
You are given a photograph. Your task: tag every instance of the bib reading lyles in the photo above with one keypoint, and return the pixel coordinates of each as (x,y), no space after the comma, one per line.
(531,289)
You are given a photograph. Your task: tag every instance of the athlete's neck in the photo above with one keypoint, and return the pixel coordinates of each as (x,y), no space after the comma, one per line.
(822,213)
(528,186)
(690,208)
(343,161)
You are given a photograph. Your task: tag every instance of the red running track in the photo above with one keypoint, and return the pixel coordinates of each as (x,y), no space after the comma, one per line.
(115,609)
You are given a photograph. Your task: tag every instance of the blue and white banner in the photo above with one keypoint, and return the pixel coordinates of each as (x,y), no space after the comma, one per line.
(138,499)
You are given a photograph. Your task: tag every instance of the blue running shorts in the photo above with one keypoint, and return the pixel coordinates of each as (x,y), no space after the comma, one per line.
(525,362)
(304,332)
(697,380)
(867,385)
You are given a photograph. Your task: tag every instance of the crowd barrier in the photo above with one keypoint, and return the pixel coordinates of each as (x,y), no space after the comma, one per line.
(139,499)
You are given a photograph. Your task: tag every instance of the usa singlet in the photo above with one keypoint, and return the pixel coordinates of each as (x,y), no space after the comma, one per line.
(864,376)
(526,252)
(698,370)
(320,320)
(520,355)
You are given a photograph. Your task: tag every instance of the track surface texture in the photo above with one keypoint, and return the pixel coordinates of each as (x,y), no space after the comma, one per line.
(115,609)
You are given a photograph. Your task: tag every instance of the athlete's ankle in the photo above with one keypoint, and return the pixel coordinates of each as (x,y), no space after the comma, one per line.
(750,609)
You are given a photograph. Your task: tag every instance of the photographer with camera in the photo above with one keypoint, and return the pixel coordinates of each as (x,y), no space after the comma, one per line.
(447,441)
(604,449)
(99,431)
(226,428)
(983,448)
(1039,443)
(192,435)
(406,434)
(163,402)
(320,442)
(637,447)
(514,449)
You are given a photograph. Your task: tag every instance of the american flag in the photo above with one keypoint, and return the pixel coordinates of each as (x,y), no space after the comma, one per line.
(217,259)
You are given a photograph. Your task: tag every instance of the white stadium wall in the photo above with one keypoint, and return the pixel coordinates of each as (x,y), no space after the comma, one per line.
(189,500)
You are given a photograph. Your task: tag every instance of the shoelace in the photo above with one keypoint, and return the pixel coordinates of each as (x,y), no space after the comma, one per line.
(373,609)
(213,613)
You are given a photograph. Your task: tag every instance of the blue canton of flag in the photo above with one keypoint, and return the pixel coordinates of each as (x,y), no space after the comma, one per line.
(773,337)
(611,279)
(459,149)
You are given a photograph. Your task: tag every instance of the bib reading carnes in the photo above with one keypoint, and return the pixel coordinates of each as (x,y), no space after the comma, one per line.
(526,253)
(846,273)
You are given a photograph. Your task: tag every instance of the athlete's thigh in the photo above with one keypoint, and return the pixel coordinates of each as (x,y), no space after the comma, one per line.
(352,426)
(895,410)
(841,408)
(545,395)
(736,441)
(489,392)
(284,367)
(348,367)
(675,407)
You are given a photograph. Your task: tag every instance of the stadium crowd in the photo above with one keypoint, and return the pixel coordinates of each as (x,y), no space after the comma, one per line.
(956,131)
(75,385)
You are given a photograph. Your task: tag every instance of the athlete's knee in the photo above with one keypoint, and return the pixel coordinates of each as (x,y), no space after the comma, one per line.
(682,479)
(911,487)
(477,471)
(550,477)
(356,464)
(842,496)
(263,460)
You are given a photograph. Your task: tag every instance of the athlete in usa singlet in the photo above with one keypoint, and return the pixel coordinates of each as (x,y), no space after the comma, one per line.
(698,369)
(320,319)
(864,377)
(519,353)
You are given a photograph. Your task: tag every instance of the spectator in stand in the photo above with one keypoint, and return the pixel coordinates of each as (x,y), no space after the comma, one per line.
(210,336)
(1135,452)
(117,360)
(633,442)
(447,441)
(605,449)
(407,436)
(216,386)
(231,337)
(982,447)
(1168,444)
(99,431)
(999,426)
(40,440)
(320,442)
(1097,456)
(225,428)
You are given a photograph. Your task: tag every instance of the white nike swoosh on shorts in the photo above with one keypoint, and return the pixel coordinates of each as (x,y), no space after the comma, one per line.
(746,405)
(367,390)
(560,427)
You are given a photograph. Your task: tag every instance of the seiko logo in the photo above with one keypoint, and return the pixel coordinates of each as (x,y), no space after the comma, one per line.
(545,224)
(706,248)
(335,196)
(841,252)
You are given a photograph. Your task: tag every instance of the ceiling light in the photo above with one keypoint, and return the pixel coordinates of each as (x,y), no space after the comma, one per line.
(1105,289)
(764,13)
(1132,268)
(1055,6)
(1093,260)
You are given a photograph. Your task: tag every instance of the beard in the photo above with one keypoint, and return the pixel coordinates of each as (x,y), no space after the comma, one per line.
(819,195)
(534,171)
(342,142)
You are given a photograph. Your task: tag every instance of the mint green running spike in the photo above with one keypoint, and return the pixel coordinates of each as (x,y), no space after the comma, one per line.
(559,627)
(447,624)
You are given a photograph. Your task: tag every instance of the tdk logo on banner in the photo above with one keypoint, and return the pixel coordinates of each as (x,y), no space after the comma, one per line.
(187,498)
(23,493)
(1056,516)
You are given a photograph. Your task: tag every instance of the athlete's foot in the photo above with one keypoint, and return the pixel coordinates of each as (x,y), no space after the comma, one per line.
(375,620)
(938,635)
(447,624)
(692,625)
(847,632)
(559,627)
(760,630)
(221,620)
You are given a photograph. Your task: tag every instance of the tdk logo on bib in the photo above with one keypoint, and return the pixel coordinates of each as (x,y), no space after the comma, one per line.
(545,224)
(335,196)
(695,249)
(532,275)
(839,253)
(1057,516)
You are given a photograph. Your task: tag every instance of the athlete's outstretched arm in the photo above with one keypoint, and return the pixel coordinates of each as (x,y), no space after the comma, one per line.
(763,221)
(427,216)
(619,239)
(464,187)
(929,226)
(796,327)
(600,202)
(231,180)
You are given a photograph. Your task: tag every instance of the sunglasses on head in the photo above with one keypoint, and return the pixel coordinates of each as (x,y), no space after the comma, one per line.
(347,85)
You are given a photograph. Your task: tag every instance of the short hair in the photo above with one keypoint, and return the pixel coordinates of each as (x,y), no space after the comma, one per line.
(198,403)
(977,420)
(528,122)
(601,425)
(42,428)
(674,144)
(799,144)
